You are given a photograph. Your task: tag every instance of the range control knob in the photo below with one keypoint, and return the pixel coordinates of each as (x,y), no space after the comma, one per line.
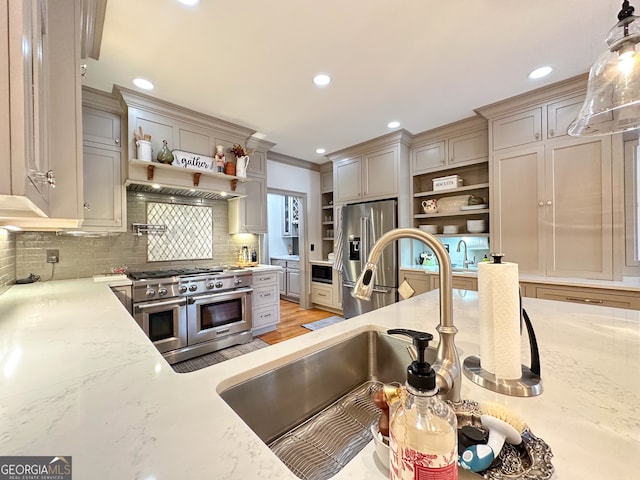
(193,288)
(210,285)
(219,284)
(151,293)
(162,291)
(238,281)
(182,289)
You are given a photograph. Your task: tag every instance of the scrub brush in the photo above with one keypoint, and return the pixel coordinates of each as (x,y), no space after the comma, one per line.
(503,425)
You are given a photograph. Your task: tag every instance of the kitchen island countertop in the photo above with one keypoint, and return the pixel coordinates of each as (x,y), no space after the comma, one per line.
(78,377)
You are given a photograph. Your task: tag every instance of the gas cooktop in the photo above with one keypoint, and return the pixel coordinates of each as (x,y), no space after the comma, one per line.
(181,272)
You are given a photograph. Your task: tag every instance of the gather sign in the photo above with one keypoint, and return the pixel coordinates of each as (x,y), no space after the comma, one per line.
(193,161)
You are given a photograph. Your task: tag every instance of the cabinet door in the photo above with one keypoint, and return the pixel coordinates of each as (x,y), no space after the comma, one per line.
(103,190)
(420,282)
(249,214)
(518,129)
(326,182)
(430,157)
(578,206)
(469,148)
(321,294)
(282,282)
(293,283)
(28,54)
(347,176)
(257,164)
(380,171)
(100,127)
(561,114)
(518,208)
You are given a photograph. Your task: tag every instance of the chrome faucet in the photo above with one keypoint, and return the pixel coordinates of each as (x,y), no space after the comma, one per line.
(465,260)
(447,365)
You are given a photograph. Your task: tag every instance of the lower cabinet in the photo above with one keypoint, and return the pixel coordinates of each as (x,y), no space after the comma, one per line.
(322,294)
(289,278)
(265,301)
(585,295)
(420,282)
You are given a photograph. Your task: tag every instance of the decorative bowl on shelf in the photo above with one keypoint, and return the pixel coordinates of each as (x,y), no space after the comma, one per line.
(450,229)
(433,229)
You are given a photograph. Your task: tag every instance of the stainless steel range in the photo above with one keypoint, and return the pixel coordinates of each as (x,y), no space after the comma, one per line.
(190,312)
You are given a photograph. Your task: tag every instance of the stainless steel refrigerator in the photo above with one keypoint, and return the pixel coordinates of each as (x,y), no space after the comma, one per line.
(362,225)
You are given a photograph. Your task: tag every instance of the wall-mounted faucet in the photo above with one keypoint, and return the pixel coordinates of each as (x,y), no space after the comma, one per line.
(447,364)
(465,260)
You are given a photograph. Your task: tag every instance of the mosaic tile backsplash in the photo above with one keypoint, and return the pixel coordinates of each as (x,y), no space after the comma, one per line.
(83,257)
(188,232)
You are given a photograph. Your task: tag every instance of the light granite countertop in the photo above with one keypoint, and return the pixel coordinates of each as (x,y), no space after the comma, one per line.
(78,377)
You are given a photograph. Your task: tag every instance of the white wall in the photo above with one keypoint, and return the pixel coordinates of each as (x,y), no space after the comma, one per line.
(301,180)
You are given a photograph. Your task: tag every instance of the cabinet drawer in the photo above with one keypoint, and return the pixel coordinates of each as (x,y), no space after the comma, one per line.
(464,283)
(265,316)
(321,294)
(279,263)
(267,295)
(293,265)
(268,278)
(588,298)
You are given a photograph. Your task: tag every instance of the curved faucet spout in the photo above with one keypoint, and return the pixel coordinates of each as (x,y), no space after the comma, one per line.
(447,364)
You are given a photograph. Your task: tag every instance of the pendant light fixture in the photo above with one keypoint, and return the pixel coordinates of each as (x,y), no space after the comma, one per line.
(612,103)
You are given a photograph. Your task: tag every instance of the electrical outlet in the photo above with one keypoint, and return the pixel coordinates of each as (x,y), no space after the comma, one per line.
(53,256)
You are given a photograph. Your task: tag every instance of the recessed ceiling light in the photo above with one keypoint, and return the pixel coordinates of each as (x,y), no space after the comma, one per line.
(320,150)
(322,79)
(189,2)
(540,72)
(143,83)
(394,124)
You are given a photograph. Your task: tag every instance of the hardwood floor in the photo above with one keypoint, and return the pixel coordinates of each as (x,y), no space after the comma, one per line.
(291,319)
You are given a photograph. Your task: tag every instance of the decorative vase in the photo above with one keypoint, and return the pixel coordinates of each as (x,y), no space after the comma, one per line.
(241,166)
(165,155)
(229,168)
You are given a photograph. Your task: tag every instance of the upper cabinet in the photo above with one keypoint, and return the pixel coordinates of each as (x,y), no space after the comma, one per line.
(553,197)
(372,170)
(459,144)
(103,158)
(41,115)
(188,131)
(457,149)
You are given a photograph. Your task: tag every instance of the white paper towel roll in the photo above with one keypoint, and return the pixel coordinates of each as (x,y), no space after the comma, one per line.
(499,304)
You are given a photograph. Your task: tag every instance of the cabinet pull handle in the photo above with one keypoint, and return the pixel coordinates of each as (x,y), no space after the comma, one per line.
(537,135)
(549,202)
(265,315)
(584,300)
(552,132)
(541,204)
(117,140)
(86,206)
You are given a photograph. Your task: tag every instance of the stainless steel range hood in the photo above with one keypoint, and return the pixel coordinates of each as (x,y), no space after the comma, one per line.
(182,192)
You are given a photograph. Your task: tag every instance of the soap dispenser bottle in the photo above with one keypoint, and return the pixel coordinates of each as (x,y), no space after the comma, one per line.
(422,428)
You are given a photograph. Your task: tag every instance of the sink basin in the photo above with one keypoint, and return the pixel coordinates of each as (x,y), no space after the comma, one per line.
(333,380)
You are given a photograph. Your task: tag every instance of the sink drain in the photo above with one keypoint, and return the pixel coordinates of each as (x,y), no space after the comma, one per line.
(320,447)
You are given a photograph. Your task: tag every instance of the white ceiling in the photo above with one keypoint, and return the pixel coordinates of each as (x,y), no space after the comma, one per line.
(424,63)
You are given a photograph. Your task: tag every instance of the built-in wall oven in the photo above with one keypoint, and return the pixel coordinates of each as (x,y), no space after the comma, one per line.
(187,313)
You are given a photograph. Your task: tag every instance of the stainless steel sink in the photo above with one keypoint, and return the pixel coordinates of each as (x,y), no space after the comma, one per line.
(292,403)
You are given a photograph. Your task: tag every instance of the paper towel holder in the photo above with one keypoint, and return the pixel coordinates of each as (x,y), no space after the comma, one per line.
(528,385)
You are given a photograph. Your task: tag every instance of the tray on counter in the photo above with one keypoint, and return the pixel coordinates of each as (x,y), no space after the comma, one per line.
(531,460)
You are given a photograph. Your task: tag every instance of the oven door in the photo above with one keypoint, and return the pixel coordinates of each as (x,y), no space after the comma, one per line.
(164,322)
(217,315)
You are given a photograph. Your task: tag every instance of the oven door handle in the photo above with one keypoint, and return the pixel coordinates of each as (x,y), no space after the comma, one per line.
(193,299)
(167,303)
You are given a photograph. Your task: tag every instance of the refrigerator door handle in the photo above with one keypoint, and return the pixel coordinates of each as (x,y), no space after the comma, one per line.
(364,235)
(381,290)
